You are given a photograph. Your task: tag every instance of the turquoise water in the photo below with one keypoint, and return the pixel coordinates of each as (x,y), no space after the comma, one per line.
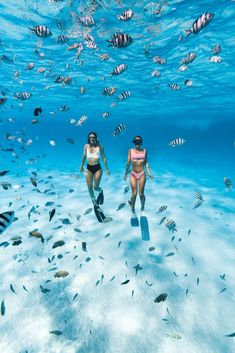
(108,316)
(203,114)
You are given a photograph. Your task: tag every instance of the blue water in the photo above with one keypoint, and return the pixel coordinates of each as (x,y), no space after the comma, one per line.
(203,115)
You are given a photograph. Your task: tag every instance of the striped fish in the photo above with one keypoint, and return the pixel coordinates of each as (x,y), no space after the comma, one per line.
(6,219)
(228,183)
(170,224)
(159,60)
(197,204)
(215,59)
(23,95)
(188,83)
(106,115)
(41,31)
(119,129)
(104,56)
(177,142)
(162,220)
(216,49)
(123,204)
(59,79)
(87,21)
(120,40)
(62,39)
(91,44)
(126,15)
(161,209)
(188,58)
(81,120)
(155,73)
(108,91)
(3,100)
(201,22)
(174,86)
(124,95)
(198,195)
(64,108)
(118,69)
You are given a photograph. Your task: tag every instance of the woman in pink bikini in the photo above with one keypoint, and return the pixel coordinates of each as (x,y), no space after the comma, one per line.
(138,157)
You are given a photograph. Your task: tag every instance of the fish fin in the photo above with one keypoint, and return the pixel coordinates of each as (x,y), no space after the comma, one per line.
(188,31)
(31,29)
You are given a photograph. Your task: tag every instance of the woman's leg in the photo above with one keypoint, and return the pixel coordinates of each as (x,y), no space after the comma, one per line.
(97,178)
(141,190)
(133,183)
(89,180)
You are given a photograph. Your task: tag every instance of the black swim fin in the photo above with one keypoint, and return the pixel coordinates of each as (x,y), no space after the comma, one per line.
(100,198)
(99,214)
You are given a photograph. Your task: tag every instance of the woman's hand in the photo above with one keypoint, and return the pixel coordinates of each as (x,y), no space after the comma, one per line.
(81,170)
(150,176)
(125,177)
(107,171)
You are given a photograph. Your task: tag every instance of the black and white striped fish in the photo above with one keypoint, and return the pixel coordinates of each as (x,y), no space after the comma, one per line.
(188,58)
(120,40)
(106,115)
(126,15)
(170,224)
(197,204)
(6,219)
(161,209)
(198,195)
(3,100)
(64,108)
(87,21)
(228,183)
(104,56)
(118,69)
(216,49)
(201,22)
(215,59)
(162,220)
(124,95)
(159,60)
(108,91)
(177,142)
(188,83)
(119,129)
(59,79)
(156,73)
(23,95)
(81,120)
(91,44)
(123,204)
(41,31)
(174,86)
(62,39)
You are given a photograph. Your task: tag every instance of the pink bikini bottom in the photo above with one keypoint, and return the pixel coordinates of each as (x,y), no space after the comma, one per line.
(137,175)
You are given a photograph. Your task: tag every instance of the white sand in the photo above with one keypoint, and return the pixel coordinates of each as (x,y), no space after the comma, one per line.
(107,316)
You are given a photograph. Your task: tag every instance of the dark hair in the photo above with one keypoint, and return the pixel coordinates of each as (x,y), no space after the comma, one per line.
(138,137)
(92,133)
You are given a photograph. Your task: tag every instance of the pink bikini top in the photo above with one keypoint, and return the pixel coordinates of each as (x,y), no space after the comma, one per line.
(139,155)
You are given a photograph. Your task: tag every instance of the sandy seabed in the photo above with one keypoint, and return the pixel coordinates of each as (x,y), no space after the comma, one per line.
(95,308)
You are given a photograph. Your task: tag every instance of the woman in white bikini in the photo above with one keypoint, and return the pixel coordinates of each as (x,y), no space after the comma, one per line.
(92,152)
(138,157)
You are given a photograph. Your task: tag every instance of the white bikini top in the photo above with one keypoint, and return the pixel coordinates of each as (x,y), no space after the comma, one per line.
(94,154)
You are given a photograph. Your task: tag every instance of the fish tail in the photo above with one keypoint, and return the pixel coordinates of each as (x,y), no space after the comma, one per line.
(188,31)
(31,29)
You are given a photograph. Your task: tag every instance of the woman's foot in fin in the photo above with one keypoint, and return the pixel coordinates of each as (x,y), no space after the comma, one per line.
(100,198)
